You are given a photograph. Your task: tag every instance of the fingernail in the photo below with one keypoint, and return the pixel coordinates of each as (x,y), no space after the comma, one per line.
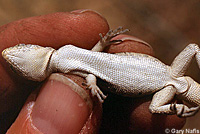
(61,107)
(85,10)
(130,44)
(131,38)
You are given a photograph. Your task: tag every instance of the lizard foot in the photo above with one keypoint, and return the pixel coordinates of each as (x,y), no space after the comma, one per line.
(183,111)
(95,90)
(106,40)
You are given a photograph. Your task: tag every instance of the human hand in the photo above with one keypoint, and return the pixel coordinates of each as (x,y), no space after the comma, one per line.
(55,107)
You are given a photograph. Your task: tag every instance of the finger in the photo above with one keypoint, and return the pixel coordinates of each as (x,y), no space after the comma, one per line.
(130,114)
(80,28)
(62,106)
(151,121)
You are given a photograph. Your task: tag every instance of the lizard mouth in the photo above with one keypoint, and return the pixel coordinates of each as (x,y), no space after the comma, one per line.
(8,55)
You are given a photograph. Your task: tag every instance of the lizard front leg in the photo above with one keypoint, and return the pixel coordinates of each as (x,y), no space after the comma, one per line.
(95,90)
(161,100)
(106,40)
(91,83)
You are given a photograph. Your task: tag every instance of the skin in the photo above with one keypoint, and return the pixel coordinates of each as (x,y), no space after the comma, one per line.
(53,106)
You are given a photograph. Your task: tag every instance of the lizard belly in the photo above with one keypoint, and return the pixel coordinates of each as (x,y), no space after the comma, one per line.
(141,81)
(136,75)
(130,75)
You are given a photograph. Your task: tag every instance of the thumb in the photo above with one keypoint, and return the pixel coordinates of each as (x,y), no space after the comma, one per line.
(62,106)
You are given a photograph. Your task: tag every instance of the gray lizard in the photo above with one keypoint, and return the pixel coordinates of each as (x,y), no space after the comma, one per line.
(131,74)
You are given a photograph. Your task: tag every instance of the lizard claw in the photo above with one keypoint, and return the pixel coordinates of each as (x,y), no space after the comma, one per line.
(173,107)
(106,40)
(95,91)
(190,112)
(183,111)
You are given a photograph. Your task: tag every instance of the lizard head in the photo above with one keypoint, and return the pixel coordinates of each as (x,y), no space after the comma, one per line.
(29,60)
(192,95)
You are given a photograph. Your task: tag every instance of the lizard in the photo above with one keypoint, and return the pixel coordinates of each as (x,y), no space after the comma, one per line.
(131,74)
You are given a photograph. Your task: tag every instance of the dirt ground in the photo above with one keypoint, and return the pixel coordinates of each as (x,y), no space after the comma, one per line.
(167,25)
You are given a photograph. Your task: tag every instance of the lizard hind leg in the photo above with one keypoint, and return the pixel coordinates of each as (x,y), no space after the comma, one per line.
(95,90)
(161,100)
(106,40)
(182,61)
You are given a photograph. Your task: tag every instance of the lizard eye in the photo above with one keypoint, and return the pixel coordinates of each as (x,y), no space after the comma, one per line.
(13,69)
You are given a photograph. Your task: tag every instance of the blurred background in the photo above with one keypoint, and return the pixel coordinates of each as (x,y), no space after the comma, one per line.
(167,25)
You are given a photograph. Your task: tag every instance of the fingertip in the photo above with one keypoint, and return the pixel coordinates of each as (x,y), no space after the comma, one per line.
(62,106)
(131,115)
(80,28)
(142,121)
